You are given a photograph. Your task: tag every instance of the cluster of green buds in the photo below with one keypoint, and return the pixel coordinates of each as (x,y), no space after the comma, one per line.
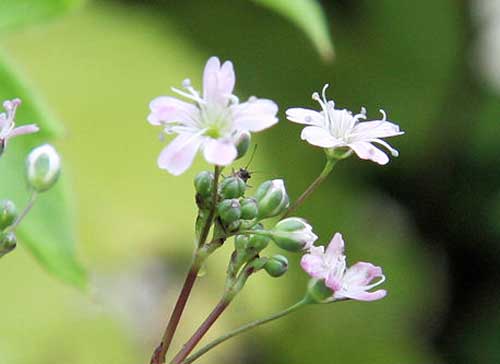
(43,166)
(243,216)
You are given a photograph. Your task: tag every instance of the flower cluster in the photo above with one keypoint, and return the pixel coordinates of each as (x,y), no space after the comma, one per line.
(219,126)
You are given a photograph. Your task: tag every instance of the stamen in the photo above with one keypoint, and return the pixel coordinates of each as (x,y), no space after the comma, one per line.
(193,96)
(384,115)
(324,92)
(186,83)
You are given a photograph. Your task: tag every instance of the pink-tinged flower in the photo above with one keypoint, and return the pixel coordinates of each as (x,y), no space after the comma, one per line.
(8,128)
(213,123)
(333,128)
(346,283)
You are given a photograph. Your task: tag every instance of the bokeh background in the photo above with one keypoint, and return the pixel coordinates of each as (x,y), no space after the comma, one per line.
(431,217)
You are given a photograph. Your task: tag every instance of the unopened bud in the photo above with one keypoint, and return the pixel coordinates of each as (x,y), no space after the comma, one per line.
(8,243)
(242,143)
(272,198)
(8,213)
(276,266)
(229,211)
(203,183)
(258,242)
(293,234)
(43,167)
(232,187)
(249,209)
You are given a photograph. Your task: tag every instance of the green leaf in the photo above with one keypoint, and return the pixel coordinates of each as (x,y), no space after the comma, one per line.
(16,13)
(47,231)
(309,16)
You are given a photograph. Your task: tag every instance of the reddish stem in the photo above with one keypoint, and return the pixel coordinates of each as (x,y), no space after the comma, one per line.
(202,330)
(161,351)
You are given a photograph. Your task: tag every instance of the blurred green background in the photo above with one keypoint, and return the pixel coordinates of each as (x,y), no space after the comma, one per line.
(431,217)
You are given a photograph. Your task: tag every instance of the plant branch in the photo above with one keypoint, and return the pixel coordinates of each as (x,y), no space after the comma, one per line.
(330,163)
(160,352)
(242,330)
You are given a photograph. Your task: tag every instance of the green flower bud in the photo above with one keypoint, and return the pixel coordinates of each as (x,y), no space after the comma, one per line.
(203,183)
(232,187)
(8,243)
(249,209)
(242,143)
(241,242)
(229,211)
(318,292)
(258,242)
(43,167)
(276,266)
(272,198)
(293,234)
(8,213)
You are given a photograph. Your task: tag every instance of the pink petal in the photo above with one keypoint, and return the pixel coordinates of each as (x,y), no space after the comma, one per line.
(220,152)
(374,129)
(218,82)
(305,116)
(255,115)
(313,265)
(24,129)
(336,246)
(361,274)
(365,296)
(366,150)
(178,156)
(166,109)
(318,136)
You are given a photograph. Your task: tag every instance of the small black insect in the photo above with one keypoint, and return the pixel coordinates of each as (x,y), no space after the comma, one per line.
(243,172)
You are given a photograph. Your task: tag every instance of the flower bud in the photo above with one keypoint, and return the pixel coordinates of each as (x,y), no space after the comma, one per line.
(272,198)
(43,167)
(249,209)
(232,187)
(8,213)
(276,266)
(8,243)
(242,143)
(241,242)
(229,211)
(258,242)
(203,183)
(293,234)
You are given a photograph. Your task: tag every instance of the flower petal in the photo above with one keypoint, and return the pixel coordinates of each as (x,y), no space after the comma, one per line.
(305,116)
(166,109)
(318,136)
(363,295)
(313,265)
(366,150)
(361,274)
(178,156)
(220,152)
(218,82)
(336,246)
(374,129)
(255,115)
(24,129)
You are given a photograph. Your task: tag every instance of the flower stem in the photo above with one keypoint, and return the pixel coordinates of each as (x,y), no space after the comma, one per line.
(160,352)
(27,209)
(202,330)
(330,163)
(243,329)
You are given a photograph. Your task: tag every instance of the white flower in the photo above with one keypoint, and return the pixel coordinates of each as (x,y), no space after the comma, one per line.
(8,128)
(213,123)
(333,128)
